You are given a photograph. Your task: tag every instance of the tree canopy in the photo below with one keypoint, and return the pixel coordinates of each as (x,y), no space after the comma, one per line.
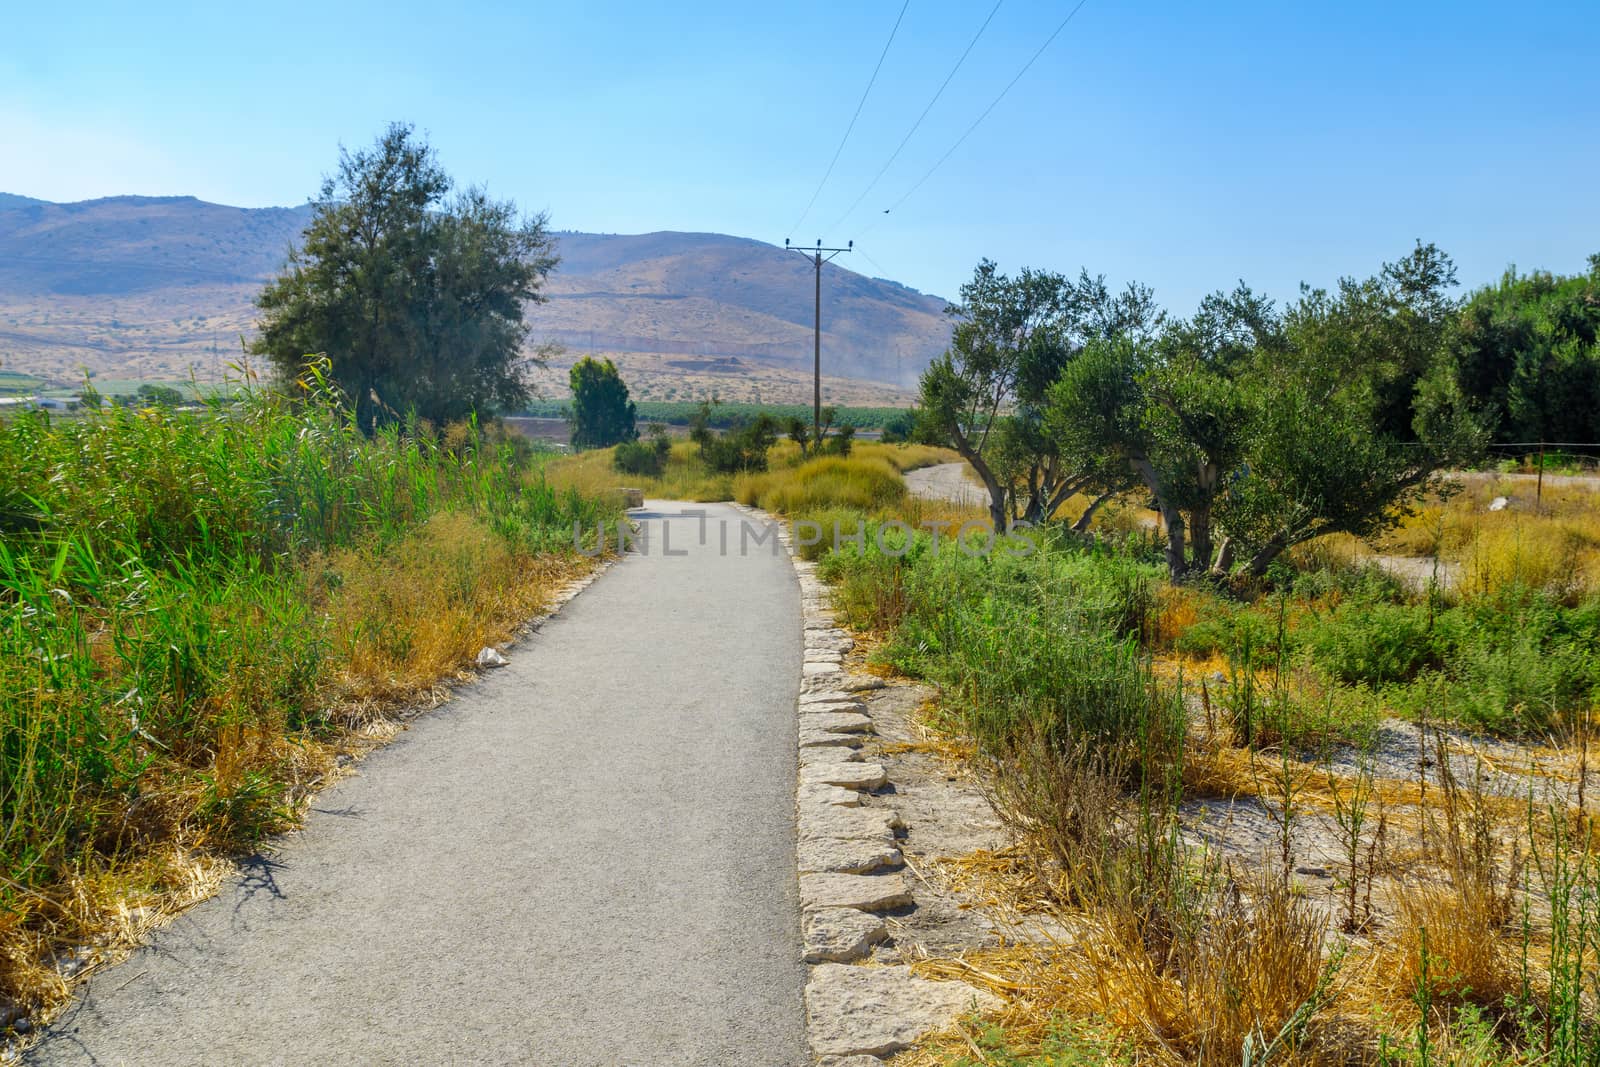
(1012,339)
(414,295)
(1252,428)
(602,414)
(1527,351)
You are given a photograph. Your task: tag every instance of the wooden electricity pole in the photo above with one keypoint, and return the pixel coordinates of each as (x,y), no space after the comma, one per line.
(815,255)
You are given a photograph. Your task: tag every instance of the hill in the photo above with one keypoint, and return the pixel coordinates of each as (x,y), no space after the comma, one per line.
(161,288)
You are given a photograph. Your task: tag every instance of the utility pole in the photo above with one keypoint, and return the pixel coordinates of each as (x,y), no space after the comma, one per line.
(815,255)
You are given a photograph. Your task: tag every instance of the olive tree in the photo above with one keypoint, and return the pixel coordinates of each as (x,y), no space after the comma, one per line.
(1013,339)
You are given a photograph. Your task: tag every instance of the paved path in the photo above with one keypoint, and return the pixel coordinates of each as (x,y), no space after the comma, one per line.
(586,858)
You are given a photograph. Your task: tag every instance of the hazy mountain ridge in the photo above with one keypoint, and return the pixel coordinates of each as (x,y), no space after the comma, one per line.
(151,286)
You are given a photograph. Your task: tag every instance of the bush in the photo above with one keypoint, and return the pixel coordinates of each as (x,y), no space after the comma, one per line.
(741,449)
(829,482)
(646,458)
(1375,643)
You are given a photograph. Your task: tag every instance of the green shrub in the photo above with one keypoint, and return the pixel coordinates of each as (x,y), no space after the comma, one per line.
(1374,643)
(646,458)
(1022,646)
(741,449)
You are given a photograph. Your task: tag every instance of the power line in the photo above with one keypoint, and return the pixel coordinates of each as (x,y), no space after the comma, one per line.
(979,120)
(875,264)
(815,255)
(916,125)
(859,105)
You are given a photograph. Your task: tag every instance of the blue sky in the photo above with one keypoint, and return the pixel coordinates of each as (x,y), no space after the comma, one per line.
(1185,145)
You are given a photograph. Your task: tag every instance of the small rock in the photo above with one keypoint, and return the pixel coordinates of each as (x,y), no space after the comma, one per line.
(841,855)
(825,696)
(831,753)
(1499,503)
(820,641)
(819,738)
(489,657)
(879,1010)
(849,1061)
(874,824)
(820,793)
(860,683)
(812,670)
(869,892)
(849,775)
(832,706)
(837,722)
(837,935)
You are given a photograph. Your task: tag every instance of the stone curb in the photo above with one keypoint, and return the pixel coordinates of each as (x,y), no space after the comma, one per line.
(848,860)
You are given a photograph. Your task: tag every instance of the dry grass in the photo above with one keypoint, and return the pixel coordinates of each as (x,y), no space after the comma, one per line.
(1462,930)
(1168,993)
(905,457)
(416,615)
(867,484)
(685,478)
(1553,544)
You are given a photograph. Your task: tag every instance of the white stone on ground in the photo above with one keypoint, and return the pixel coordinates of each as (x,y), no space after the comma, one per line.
(824,696)
(838,722)
(837,935)
(877,824)
(879,1010)
(869,892)
(849,775)
(816,737)
(842,855)
(823,793)
(832,706)
(860,683)
(813,754)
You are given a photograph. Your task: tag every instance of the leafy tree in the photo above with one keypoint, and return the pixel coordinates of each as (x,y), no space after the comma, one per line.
(160,396)
(1012,341)
(602,414)
(1278,428)
(415,296)
(742,448)
(1527,351)
(900,427)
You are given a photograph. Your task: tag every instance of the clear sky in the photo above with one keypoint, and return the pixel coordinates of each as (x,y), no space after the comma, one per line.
(1185,145)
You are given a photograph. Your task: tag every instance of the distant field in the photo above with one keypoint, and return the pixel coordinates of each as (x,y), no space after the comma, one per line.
(678,413)
(15,383)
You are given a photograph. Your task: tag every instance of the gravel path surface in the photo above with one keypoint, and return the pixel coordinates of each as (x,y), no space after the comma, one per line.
(585,858)
(946,481)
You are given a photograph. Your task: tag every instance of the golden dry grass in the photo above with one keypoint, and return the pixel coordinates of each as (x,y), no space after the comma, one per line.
(685,478)
(1553,544)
